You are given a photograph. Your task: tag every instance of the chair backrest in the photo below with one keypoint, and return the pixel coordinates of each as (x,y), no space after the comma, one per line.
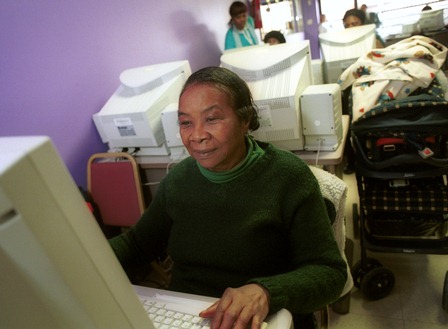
(113,181)
(334,190)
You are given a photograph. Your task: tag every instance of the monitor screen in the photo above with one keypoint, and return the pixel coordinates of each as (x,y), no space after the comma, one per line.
(131,118)
(276,75)
(57,269)
(342,48)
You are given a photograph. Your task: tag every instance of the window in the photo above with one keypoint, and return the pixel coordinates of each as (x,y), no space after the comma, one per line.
(393,14)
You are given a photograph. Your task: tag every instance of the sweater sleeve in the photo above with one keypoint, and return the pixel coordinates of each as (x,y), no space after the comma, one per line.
(145,241)
(318,273)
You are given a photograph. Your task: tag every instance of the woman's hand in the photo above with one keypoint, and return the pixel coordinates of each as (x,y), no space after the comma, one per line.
(239,308)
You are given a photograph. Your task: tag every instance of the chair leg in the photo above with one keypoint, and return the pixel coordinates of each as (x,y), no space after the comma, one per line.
(325,317)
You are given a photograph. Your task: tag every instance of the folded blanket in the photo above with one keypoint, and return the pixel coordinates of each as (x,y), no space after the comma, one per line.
(394,72)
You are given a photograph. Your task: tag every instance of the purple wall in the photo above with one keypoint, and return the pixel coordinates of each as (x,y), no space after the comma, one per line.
(311,26)
(60,60)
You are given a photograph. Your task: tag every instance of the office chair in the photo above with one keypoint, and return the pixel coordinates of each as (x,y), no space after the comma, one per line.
(334,191)
(114,185)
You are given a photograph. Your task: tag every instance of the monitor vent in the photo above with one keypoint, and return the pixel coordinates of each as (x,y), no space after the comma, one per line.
(133,91)
(286,63)
(276,103)
(279,135)
(246,75)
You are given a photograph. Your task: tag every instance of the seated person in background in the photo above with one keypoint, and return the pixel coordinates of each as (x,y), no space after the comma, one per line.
(274,38)
(356,17)
(241,32)
(353,17)
(242,220)
(371,18)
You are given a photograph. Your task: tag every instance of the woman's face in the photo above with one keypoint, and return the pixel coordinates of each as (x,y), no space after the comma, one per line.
(210,129)
(352,21)
(240,21)
(273,41)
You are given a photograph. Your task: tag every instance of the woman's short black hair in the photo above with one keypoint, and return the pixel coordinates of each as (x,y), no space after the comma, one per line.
(233,86)
(236,8)
(276,35)
(357,13)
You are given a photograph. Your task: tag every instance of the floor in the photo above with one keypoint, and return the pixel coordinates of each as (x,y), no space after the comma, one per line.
(416,300)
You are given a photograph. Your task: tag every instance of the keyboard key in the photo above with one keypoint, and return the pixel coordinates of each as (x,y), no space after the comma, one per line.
(172,316)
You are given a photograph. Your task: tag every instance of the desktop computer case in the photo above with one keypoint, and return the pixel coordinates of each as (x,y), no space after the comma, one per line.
(321,107)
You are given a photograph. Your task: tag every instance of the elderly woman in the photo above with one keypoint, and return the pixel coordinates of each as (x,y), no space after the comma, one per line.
(241,219)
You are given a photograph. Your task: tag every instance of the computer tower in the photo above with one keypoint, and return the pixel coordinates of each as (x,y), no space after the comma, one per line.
(321,107)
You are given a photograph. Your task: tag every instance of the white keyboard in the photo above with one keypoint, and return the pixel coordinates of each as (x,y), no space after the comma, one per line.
(166,315)
(167,312)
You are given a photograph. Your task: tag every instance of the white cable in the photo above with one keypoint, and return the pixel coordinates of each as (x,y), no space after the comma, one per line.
(318,151)
(151,184)
(169,165)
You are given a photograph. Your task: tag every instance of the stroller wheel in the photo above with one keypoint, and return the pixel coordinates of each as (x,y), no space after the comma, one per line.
(359,270)
(377,283)
(445,293)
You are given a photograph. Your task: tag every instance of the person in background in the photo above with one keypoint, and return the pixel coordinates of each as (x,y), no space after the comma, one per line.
(234,228)
(241,32)
(356,17)
(371,17)
(274,38)
(323,24)
(427,7)
(353,17)
(364,9)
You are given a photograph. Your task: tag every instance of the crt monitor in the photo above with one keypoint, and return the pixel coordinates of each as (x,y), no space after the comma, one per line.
(431,20)
(276,75)
(340,49)
(131,118)
(57,269)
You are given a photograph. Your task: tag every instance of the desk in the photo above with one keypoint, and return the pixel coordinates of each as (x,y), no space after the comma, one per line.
(439,36)
(155,167)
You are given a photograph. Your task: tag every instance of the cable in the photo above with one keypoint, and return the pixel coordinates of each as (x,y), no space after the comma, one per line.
(151,184)
(318,151)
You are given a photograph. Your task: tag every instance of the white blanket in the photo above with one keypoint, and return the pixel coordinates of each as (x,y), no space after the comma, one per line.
(391,73)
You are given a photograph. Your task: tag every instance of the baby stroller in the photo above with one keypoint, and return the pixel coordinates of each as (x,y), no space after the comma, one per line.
(401,167)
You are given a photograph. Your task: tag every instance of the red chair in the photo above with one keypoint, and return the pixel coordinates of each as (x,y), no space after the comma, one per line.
(114,185)
(113,181)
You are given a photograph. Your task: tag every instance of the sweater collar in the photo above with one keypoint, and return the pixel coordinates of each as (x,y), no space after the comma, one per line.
(254,151)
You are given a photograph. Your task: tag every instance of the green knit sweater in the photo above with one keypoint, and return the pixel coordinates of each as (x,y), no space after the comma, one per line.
(268,226)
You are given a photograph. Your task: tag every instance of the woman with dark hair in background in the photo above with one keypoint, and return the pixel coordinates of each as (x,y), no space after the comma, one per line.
(274,38)
(241,32)
(356,17)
